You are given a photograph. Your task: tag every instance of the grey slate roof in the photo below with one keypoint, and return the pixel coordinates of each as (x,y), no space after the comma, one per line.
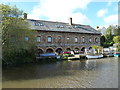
(61,27)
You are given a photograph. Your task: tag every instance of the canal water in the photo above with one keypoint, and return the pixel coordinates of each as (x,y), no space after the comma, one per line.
(93,73)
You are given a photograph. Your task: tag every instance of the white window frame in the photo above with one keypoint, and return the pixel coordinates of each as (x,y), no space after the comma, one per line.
(38,38)
(90,39)
(83,39)
(49,39)
(76,39)
(96,40)
(68,38)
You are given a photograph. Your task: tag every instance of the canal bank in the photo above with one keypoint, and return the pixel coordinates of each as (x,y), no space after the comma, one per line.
(97,73)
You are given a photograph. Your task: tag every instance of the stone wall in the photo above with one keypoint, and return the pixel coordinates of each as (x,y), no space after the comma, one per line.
(63,43)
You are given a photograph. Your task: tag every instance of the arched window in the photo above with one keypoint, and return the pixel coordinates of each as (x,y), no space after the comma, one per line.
(76,39)
(96,40)
(59,39)
(90,40)
(68,38)
(38,38)
(49,39)
(83,39)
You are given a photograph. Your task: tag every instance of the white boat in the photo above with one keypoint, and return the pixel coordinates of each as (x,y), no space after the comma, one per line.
(94,56)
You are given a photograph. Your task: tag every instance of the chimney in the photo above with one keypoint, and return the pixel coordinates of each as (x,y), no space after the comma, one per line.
(70,21)
(25,15)
(97,27)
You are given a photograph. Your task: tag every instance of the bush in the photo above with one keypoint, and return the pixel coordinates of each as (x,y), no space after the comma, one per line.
(19,57)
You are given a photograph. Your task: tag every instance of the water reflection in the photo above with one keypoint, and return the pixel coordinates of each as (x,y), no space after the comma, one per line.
(60,74)
(90,64)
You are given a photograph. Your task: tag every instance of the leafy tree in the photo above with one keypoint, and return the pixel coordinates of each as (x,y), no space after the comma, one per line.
(17,38)
(108,37)
(97,48)
(116,39)
(102,40)
(108,34)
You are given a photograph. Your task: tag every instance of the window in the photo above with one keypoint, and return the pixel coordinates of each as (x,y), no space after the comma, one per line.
(90,40)
(49,39)
(59,26)
(83,39)
(59,38)
(38,38)
(76,39)
(96,40)
(26,38)
(38,24)
(68,38)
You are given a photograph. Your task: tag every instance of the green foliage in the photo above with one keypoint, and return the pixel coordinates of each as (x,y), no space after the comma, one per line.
(97,48)
(116,39)
(14,31)
(107,40)
(102,39)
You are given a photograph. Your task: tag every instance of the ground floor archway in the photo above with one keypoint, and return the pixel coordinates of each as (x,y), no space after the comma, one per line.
(59,50)
(49,50)
(40,51)
(83,49)
(68,49)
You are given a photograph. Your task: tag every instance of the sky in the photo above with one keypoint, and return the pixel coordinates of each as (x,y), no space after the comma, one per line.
(85,12)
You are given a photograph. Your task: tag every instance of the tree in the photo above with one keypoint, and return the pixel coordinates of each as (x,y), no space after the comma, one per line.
(108,37)
(108,34)
(116,39)
(102,40)
(17,38)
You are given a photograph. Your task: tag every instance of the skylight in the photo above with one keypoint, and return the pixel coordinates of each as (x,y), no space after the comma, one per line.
(59,26)
(38,24)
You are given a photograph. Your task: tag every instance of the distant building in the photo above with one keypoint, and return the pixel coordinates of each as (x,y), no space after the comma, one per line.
(58,36)
(103,29)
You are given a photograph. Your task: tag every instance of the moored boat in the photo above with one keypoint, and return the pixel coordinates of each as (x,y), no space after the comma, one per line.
(117,54)
(94,56)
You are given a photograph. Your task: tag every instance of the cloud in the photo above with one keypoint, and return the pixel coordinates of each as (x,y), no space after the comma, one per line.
(59,10)
(102,12)
(80,18)
(112,19)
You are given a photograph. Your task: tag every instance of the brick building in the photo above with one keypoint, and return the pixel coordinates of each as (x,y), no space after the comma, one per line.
(58,36)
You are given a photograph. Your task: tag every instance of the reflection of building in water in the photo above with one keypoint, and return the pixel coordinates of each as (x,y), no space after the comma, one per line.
(90,64)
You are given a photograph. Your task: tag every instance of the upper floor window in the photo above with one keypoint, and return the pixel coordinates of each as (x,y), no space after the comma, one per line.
(26,38)
(49,39)
(90,40)
(38,38)
(96,40)
(59,38)
(68,38)
(83,39)
(76,39)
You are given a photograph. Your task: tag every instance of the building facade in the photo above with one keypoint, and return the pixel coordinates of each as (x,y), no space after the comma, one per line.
(59,36)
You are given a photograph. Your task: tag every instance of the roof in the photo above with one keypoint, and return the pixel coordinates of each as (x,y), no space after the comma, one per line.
(61,27)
